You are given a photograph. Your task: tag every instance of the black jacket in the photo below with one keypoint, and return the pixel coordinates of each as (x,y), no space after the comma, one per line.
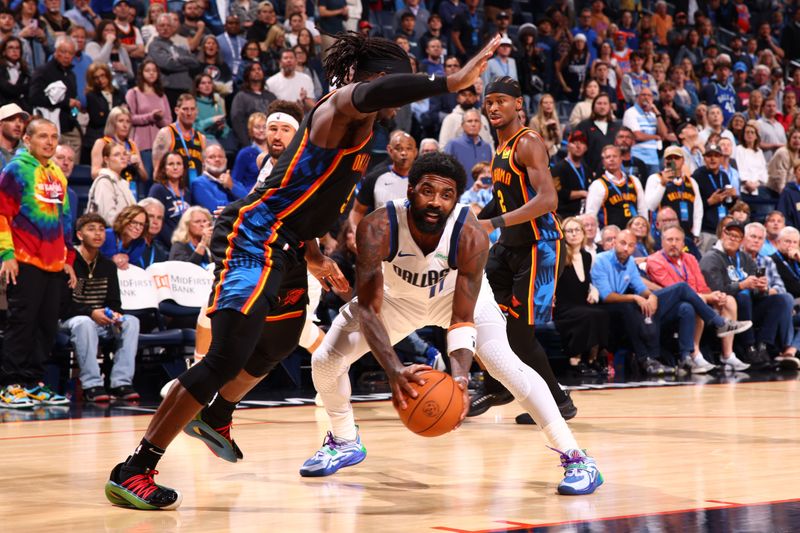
(43,76)
(14,92)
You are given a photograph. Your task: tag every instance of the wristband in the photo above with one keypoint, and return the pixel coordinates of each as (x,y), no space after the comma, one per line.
(461,336)
(498,222)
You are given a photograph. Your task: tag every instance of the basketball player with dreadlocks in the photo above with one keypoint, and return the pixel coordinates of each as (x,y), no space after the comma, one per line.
(268,240)
(524,264)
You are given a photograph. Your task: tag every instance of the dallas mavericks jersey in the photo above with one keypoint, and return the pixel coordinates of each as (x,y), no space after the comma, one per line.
(725,96)
(407,273)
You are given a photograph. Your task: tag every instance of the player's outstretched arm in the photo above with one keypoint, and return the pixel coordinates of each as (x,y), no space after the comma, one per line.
(532,156)
(373,243)
(473,251)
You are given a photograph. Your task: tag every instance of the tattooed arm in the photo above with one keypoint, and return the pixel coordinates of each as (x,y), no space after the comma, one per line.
(160,146)
(473,251)
(372,241)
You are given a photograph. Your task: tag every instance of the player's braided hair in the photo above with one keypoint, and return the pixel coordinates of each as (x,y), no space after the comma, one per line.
(351,49)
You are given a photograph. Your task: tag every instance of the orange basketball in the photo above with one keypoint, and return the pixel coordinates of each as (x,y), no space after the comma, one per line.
(437,408)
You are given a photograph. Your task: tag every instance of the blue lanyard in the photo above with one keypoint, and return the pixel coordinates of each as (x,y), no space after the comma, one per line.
(581,175)
(794,267)
(714,182)
(616,189)
(183,142)
(203,263)
(685,276)
(738,266)
(120,249)
(152,257)
(178,196)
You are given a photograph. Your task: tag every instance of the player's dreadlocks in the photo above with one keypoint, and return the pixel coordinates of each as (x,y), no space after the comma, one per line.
(365,56)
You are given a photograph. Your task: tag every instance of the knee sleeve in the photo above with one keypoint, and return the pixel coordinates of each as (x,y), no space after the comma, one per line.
(498,357)
(326,367)
(277,342)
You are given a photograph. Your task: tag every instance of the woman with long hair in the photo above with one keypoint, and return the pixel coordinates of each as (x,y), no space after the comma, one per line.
(210,110)
(685,95)
(306,40)
(101,96)
(583,109)
(780,167)
(750,160)
(301,54)
(149,110)
(214,66)
(754,105)
(572,67)
(251,53)
(110,193)
(645,244)
(691,76)
(245,168)
(606,55)
(736,126)
(148,29)
(600,129)
(31,29)
(118,131)
(124,242)
(546,124)
(107,49)
(191,238)
(582,324)
(14,75)
(701,116)
(691,49)
(171,188)
(789,110)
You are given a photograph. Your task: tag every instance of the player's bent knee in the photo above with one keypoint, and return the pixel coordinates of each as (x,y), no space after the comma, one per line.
(202,381)
(504,365)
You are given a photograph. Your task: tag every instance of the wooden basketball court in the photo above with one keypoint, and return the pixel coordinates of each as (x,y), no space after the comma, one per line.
(663,450)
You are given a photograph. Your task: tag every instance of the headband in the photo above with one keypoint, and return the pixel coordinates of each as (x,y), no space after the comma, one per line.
(385,64)
(286,119)
(504,87)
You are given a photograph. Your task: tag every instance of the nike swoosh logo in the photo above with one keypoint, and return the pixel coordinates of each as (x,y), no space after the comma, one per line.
(432,77)
(401,254)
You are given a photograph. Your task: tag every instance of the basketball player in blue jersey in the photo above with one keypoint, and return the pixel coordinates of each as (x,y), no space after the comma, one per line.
(524,264)
(421,262)
(267,240)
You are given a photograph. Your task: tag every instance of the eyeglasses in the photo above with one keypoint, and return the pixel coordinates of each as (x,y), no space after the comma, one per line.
(573,230)
(734,236)
(136,224)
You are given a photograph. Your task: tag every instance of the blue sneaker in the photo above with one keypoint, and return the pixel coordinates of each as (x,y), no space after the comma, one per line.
(333,455)
(43,395)
(581,475)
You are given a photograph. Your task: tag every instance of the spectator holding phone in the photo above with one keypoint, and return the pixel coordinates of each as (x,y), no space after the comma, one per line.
(716,192)
(673,187)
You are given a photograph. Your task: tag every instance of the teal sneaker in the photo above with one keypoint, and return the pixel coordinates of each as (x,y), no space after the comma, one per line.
(333,455)
(581,475)
(218,440)
(44,395)
(14,397)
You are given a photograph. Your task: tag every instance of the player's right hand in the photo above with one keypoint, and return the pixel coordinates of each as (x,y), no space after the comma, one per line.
(474,68)
(400,383)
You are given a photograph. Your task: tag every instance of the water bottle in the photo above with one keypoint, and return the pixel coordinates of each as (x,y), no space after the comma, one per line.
(110,314)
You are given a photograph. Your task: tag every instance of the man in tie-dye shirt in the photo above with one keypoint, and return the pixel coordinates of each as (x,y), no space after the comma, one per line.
(34,218)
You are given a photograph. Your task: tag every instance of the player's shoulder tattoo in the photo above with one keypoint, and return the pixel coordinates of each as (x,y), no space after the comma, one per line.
(372,238)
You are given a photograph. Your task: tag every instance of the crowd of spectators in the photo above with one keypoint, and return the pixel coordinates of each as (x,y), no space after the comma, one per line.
(673,131)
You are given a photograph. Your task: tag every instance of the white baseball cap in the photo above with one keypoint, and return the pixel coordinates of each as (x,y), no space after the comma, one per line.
(12,110)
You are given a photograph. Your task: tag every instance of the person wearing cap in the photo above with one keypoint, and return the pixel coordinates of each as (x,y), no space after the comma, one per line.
(572,177)
(741,83)
(502,64)
(615,197)
(129,36)
(451,127)
(365,27)
(673,187)
(720,91)
(717,193)
(12,125)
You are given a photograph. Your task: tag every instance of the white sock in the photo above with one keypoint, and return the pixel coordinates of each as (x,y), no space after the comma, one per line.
(559,436)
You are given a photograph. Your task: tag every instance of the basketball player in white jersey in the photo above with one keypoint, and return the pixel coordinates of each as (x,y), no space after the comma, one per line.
(421,262)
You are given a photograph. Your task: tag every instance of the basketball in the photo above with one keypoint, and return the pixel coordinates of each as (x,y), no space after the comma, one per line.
(437,408)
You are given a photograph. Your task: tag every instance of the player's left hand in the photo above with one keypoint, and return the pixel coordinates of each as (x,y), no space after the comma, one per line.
(463,384)
(327,272)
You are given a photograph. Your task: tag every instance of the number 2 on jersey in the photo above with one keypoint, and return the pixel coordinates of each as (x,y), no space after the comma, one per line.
(501,201)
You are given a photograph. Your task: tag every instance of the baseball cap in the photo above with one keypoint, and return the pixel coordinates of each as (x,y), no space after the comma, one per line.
(712,148)
(502,15)
(470,89)
(116,2)
(580,37)
(673,150)
(735,224)
(680,127)
(506,41)
(739,66)
(364,24)
(12,110)
(578,136)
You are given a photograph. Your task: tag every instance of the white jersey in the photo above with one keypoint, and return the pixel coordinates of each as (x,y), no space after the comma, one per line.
(407,272)
(389,186)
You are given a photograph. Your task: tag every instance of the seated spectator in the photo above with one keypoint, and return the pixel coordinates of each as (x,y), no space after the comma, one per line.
(481,191)
(246,168)
(717,193)
(14,74)
(781,167)
(608,238)
(673,187)
(149,110)
(740,212)
(93,311)
(154,251)
(736,126)
(407,28)
(253,55)
(572,177)
(619,196)
(600,129)
(213,66)
(719,91)
(469,149)
(212,189)
(110,193)
(118,131)
(789,200)
(773,224)
(124,242)
(728,165)
(590,229)
(672,265)
(171,188)
(735,272)
(546,124)
(65,159)
(645,245)
(211,114)
(191,238)
(428,145)
(107,50)
(250,99)
(101,96)
(583,326)
(583,109)
(303,66)
(288,84)
(787,259)
(433,62)
(750,161)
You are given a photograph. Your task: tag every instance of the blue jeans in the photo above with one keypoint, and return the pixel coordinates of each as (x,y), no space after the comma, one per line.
(679,302)
(771,316)
(85,335)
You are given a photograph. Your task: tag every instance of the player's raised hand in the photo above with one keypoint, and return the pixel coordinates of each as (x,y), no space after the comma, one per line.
(474,67)
(400,383)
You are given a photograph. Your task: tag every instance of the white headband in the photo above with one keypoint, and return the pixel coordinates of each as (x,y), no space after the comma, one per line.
(286,119)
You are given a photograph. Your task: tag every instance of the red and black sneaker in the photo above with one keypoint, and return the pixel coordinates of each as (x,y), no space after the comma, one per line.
(140,491)
(218,440)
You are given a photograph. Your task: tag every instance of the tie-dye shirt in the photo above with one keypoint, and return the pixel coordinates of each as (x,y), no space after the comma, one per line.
(34,213)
